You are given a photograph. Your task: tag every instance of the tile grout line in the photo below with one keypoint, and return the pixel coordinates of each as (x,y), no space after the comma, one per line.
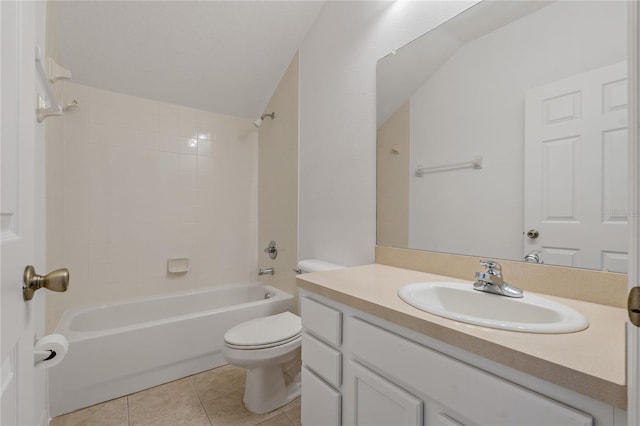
(192,380)
(289,418)
(128,414)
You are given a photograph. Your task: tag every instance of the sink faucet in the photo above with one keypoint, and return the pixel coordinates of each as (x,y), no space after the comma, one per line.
(533,257)
(491,281)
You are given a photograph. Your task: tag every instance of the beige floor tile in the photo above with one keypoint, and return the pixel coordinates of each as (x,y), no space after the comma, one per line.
(293,414)
(192,414)
(229,410)
(292,404)
(220,381)
(279,420)
(110,413)
(161,401)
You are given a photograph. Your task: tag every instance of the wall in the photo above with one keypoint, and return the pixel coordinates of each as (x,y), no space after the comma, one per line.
(278,183)
(481,211)
(135,182)
(393,158)
(338,120)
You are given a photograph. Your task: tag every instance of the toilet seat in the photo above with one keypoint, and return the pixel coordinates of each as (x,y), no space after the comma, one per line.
(266,345)
(266,332)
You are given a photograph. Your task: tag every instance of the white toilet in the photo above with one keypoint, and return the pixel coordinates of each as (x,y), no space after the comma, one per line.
(268,348)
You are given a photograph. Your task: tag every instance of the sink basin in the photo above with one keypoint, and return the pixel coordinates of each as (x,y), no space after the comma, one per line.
(460,302)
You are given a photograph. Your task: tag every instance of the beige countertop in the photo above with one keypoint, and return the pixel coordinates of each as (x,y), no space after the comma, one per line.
(591,362)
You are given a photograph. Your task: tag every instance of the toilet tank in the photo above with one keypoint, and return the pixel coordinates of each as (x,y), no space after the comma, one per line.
(316,265)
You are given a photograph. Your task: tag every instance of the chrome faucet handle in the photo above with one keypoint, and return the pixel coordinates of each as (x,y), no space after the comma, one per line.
(493,267)
(533,257)
(491,281)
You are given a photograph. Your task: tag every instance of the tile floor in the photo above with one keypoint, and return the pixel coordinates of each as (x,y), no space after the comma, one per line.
(213,397)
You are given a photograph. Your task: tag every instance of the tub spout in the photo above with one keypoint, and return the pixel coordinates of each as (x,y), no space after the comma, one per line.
(266,271)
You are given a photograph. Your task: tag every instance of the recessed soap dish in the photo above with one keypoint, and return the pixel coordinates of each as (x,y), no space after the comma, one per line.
(178,265)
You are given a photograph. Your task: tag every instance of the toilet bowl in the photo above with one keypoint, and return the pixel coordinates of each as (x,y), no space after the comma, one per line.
(269,348)
(264,346)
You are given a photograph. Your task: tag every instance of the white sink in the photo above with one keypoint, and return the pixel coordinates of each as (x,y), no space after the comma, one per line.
(460,302)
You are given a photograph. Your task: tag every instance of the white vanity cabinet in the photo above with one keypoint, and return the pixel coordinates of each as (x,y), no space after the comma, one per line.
(359,369)
(321,363)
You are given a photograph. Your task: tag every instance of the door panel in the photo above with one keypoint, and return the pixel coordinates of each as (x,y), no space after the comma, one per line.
(576,170)
(17,215)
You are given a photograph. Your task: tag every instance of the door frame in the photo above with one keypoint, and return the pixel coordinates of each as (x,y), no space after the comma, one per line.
(633,333)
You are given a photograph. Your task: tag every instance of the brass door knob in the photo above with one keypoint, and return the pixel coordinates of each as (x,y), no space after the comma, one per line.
(57,280)
(633,306)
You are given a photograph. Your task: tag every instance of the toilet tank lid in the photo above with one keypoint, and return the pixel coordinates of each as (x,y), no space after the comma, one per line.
(317,265)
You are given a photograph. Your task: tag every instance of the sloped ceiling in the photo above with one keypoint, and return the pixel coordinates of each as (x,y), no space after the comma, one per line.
(221,56)
(399,75)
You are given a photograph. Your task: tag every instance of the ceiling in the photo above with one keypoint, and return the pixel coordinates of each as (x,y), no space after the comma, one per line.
(221,56)
(400,74)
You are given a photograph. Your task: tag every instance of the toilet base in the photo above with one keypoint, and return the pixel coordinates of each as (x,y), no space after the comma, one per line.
(265,389)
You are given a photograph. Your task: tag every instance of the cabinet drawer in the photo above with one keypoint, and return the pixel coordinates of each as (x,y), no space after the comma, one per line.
(321,404)
(322,359)
(468,391)
(322,321)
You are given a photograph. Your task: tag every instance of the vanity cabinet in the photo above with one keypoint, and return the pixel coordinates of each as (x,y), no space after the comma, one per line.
(321,363)
(374,372)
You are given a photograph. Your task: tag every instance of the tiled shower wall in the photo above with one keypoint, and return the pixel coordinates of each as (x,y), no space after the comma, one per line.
(133,182)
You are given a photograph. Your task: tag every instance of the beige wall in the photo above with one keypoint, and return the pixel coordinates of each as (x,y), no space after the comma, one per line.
(278,182)
(133,182)
(393,179)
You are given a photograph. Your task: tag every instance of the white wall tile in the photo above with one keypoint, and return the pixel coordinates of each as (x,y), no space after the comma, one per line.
(168,119)
(188,123)
(188,146)
(188,168)
(205,148)
(131,191)
(205,172)
(147,140)
(206,123)
(168,142)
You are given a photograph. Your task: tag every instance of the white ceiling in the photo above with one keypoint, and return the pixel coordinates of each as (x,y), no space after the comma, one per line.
(221,56)
(399,75)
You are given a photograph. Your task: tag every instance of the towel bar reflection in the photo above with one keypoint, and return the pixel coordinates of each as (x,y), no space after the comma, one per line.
(476,163)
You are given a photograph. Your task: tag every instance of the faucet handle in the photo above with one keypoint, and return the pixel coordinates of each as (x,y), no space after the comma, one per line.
(493,267)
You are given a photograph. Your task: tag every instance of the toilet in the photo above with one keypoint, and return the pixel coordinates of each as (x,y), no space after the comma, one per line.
(269,348)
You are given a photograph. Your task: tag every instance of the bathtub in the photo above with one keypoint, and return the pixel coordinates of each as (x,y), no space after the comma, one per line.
(120,348)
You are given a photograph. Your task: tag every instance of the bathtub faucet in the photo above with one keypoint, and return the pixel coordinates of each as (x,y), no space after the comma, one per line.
(267,271)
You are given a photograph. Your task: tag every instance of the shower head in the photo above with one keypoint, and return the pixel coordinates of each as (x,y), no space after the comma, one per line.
(259,121)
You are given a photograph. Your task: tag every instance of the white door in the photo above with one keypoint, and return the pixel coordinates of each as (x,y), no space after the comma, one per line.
(18,215)
(576,170)
(633,333)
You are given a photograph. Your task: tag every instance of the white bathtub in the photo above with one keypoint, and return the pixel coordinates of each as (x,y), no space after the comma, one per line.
(125,347)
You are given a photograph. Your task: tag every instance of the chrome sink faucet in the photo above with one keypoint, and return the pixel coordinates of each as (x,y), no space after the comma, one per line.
(491,281)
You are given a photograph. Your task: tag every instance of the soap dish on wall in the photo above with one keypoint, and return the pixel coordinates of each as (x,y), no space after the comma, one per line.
(178,265)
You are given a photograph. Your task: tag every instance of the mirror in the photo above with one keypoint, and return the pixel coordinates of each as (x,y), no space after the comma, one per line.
(502,133)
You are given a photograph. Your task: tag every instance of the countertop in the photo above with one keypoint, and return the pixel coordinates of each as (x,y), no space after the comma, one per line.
(590,362)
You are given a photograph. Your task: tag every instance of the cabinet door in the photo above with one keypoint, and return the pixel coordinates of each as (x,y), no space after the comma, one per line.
(469,392)
(380,402)
(321,404)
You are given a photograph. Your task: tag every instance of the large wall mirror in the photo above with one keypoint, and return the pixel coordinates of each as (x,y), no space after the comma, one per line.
(503,133)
